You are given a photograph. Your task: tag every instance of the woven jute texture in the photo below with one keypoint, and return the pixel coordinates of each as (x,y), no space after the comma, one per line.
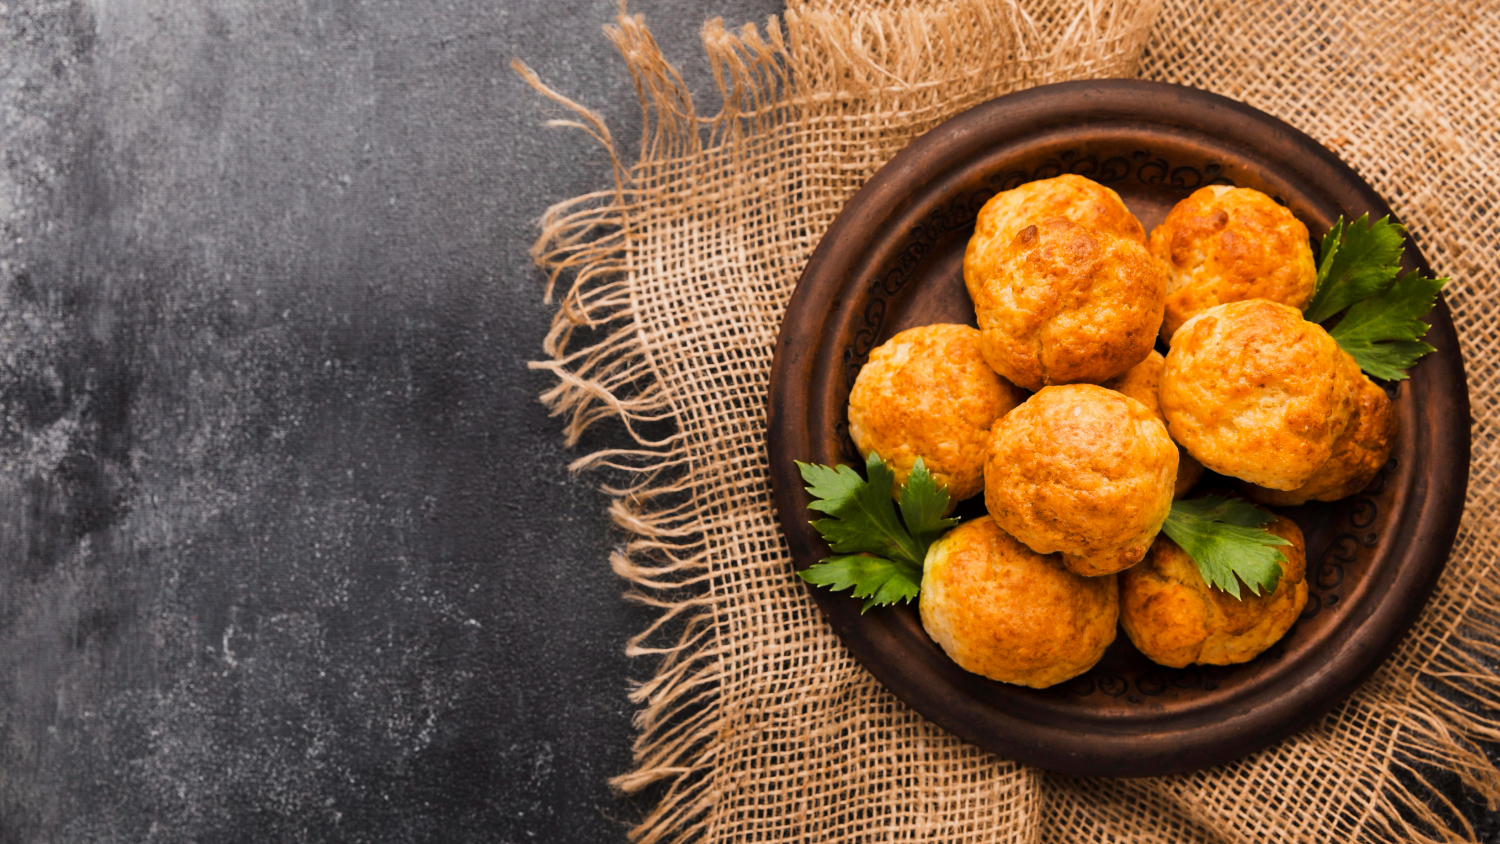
(755,724)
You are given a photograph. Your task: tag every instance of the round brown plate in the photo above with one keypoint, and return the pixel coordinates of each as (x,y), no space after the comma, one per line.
(893,260)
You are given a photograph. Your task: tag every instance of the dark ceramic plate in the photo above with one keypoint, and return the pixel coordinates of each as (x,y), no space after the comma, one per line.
(893,260)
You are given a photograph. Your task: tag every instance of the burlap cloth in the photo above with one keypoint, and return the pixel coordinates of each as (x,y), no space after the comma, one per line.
(755,723)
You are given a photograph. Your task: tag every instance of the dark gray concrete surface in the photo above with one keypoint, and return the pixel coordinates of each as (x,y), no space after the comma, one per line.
(288,550)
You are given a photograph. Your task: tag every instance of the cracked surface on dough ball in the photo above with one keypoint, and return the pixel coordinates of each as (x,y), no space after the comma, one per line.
(1001,610)
(928,393)
(1254,391)
(1358,453)
(1225,244)
(1062,303)
(1083,471)
(1083,201)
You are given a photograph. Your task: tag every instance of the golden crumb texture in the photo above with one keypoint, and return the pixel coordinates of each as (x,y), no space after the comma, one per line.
(928,393)
(1082,471)
(1001,610)
(1225,244)
(1083,201)
(1358,454)
(1062,303)
(1141,382)
(1254,391)
(1173,617)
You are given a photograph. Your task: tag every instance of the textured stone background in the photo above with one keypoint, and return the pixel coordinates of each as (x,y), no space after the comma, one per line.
(288,550)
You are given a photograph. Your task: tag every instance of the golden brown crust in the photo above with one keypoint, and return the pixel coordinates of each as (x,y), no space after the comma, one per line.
(1141,383)
(1070,197)
(1254,391)
(1082,471)
(1176,619)
(1061,303)
(1358,454)
(1225,244)
(1001,610)
(928,393)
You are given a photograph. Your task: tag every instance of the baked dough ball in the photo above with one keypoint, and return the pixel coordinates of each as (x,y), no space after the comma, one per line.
(1226,244)
(928,393)
(1175,618)
(1254,391)
(1082,471)
(1140,382)
(1084,201)
(1060,303)
(1357,455)
(999,609)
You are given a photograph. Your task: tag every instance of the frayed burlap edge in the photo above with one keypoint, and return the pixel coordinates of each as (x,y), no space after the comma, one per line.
(596,242)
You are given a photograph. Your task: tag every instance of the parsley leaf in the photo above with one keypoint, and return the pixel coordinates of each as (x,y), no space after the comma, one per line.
(922,506)
(1228,540)
(1358,270)
(1384,332)
(879,581)
(876,554)
(1357,260)
(862,518)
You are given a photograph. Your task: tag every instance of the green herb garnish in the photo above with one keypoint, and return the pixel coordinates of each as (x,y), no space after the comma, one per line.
(1359,275)
(1228,540)
(876,552)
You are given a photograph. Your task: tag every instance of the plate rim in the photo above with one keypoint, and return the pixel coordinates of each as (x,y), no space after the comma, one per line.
(1107,753)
